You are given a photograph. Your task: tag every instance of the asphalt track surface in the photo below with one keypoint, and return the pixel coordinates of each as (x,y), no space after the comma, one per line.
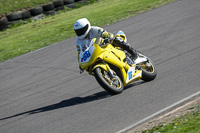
(43,92)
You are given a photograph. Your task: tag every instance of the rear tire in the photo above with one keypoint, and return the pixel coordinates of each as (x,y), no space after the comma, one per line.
(149,73)
(114,89)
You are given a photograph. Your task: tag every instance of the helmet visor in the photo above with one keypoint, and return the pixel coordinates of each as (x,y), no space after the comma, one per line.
(80,32)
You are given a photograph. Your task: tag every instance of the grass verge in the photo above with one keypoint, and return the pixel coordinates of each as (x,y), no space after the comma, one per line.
(31,36)
(188,123)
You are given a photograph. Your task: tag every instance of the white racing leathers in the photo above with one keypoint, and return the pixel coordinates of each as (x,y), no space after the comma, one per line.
(94,33)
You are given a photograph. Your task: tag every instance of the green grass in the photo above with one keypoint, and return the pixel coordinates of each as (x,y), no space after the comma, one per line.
(189,123)
(8,6)
(31,36)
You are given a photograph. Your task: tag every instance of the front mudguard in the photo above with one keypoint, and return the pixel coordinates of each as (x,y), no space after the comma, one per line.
(105,66)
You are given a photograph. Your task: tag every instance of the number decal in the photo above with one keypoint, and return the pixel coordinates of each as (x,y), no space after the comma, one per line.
(131,72)
(86,55)
(130,75)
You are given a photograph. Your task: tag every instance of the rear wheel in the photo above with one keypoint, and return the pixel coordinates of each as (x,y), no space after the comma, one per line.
(111,85)
(148,70)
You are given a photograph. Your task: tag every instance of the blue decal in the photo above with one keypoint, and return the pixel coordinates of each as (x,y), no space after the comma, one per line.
(130,75)
(86,55)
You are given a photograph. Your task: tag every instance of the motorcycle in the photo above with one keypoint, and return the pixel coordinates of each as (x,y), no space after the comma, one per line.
(112,67)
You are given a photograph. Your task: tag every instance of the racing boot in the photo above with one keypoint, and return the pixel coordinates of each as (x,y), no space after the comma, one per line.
(118,42)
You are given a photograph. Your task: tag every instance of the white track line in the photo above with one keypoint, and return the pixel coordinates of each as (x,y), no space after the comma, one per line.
(159,112)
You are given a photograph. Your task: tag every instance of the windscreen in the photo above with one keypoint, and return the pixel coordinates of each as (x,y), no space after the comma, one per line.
(85,44)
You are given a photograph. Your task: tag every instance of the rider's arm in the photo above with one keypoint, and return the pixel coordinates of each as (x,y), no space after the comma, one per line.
(98,31)
(107,35)
(78,47)
(104,34)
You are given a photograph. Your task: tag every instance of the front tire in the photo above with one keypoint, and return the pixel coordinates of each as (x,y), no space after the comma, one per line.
(113,86)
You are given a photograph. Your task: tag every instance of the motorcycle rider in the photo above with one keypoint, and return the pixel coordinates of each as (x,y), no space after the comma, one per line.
(86,33)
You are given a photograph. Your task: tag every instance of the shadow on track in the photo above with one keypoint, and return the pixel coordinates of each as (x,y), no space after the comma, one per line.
(72,102)
(66,103)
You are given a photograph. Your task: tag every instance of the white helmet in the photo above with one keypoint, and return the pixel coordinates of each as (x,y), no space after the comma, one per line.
(82,27)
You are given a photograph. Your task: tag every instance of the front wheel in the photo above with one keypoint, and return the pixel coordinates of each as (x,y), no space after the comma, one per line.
(111,85)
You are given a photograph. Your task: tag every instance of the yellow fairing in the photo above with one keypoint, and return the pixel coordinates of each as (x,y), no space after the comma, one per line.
(114,56)
(102,65)
(96,54)
(109,55)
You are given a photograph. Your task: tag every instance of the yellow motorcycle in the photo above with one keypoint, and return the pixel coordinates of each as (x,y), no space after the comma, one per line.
(112,67)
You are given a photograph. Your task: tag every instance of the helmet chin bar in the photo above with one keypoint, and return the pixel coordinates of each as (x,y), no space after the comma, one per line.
(82,28)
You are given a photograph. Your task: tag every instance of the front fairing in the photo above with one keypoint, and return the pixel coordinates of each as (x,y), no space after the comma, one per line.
(90,55)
